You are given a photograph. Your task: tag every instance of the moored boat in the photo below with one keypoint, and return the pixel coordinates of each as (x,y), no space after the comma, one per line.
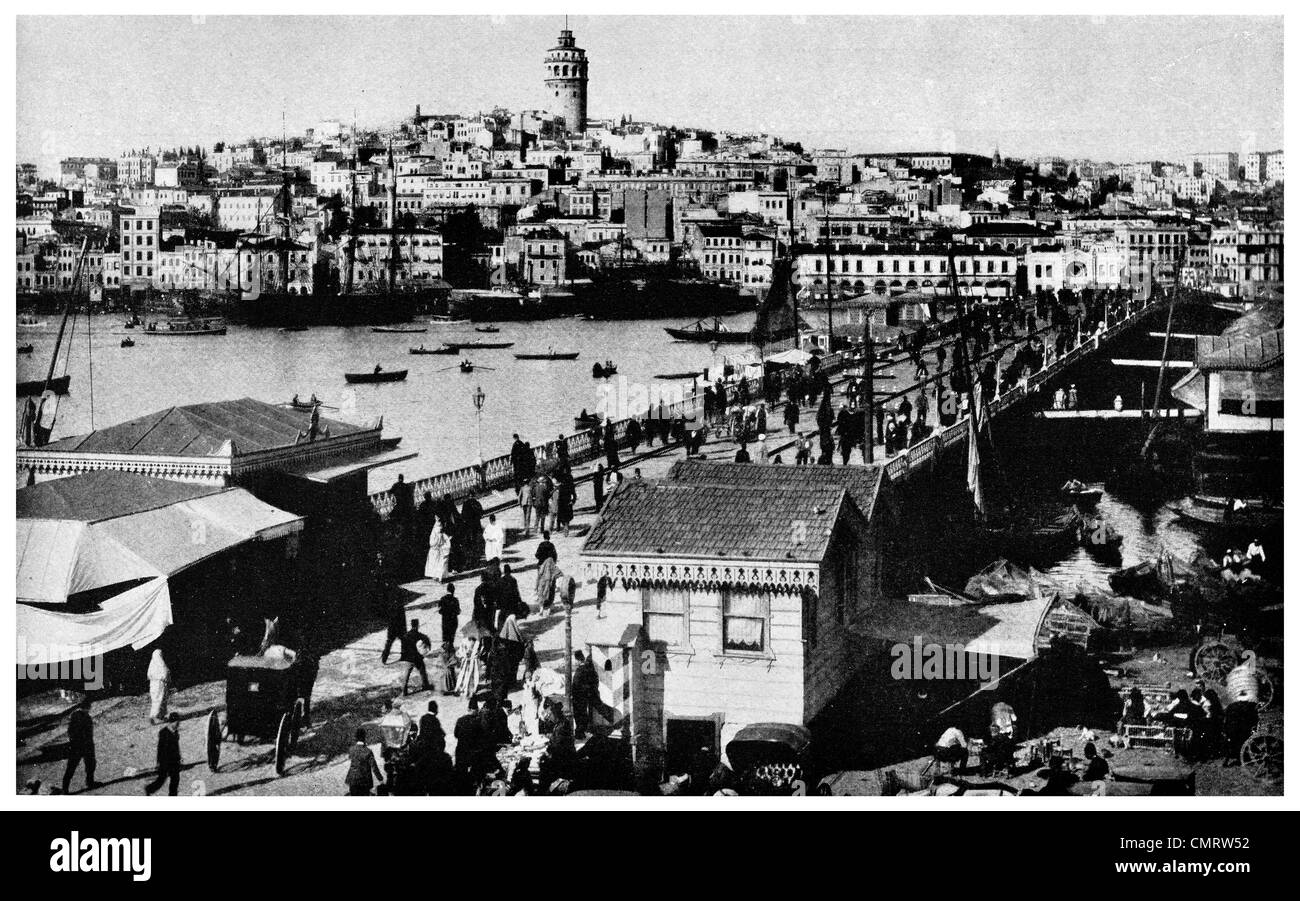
(398,329)
(128,342)
(445,350)
(178,327)
(549,355)
(718,331)
(487,329)
(24,348)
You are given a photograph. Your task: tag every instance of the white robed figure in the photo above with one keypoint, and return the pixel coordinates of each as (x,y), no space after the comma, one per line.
(494,539)
(435,565)
(160,678)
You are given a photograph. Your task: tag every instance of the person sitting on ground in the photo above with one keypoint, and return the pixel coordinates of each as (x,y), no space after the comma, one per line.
(1097,767)
(1135,708)
(952,748)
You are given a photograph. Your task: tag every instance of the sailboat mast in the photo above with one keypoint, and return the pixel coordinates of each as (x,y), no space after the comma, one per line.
(67,310)
(392,219)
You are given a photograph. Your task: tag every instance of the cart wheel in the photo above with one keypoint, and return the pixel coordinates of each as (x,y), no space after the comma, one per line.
(1214,661)
(214,741)
(1265,697)
(283,735)
(1261,755)
(297,722)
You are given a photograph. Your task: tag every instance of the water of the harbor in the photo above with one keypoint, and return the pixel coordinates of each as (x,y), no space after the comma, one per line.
(432,410)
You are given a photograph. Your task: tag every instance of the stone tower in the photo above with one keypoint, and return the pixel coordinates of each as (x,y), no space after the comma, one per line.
(566,82)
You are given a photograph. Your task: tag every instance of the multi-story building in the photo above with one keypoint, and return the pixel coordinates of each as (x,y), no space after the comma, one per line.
(178,174)
(1246,260)
(419,257)
(136,168)
(719,250)
(1154,252)
(140,240)
(758,254)
(538,257)
(251,209)
(648,214)
(1055,267)
(1222,165)
(852,269)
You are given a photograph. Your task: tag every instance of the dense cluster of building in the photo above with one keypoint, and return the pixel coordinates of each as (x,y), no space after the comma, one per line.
(537,198)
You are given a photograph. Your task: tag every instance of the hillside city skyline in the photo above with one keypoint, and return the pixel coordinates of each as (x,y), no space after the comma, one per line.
(1026,112)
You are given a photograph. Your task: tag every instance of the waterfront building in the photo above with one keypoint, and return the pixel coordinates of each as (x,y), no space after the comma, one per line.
(750,617)
(893,269)
(141,240)
(1246,260)
(419,255)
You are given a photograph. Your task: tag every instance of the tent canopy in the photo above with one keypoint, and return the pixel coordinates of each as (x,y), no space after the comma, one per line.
(118,529)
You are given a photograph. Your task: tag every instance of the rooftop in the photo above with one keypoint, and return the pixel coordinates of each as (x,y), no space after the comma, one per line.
(202,430)
(107,494)
(863,483)
(718,521)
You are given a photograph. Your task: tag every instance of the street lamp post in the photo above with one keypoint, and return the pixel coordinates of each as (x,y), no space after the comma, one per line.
(479,398)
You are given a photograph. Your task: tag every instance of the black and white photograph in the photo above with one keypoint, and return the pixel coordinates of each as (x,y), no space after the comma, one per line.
(649,406)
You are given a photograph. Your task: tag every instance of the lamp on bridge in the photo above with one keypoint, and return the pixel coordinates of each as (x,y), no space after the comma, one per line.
(479,398)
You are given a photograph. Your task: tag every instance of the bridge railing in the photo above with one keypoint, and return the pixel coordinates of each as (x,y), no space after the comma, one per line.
(901,464)
(497,473)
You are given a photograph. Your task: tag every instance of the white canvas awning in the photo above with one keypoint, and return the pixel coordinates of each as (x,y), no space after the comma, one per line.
(81,546)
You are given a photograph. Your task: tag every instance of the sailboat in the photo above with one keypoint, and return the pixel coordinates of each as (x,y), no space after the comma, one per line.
(32,432)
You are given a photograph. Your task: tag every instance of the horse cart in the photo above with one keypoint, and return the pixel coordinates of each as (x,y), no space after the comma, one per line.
(267,697)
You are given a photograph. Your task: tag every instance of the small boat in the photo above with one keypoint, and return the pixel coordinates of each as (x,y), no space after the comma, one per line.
(603,372)
(30,322)
(466,366)
(36,386)
(693,374)
(549,355)
(480,345)
(376,375)
(24,348)
(487,329)
(186,327)
(298,404)
(128,342)
(718,331)
(398,329)
(586,423)
(446,320)
(1083,493)
(1228,512)
(294,328)
(445,350)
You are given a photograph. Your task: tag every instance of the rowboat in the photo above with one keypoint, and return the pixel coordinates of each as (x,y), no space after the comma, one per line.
(487,329)
(549,355)
(297,404)
(445,350)
(37,386)
(603,372)
(294,328)
(128,342)
(24,348)
(1228,513)
(586,423)
(398,329)
(30,322)
(186,328)
(446,320)
(693,374)
(480,345)
(380,375)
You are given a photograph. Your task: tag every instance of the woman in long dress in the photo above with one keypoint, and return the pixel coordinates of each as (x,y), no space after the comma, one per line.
(160,678)
(494,539)
(435,565)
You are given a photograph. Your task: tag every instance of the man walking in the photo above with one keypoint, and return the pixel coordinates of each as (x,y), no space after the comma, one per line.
(363,770)
(449,611)
(81,745)
(169,757)
(412,655)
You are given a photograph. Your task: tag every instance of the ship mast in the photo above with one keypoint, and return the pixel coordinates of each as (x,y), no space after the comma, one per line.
(350,245)
(392,220)
(286,208)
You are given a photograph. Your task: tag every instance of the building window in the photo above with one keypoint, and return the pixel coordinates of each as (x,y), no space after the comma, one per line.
(745,621)
(666,612)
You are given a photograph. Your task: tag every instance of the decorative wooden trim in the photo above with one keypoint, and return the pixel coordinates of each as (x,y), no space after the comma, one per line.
(706,576)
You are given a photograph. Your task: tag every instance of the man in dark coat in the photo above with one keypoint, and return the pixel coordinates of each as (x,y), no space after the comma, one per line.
(598,486)
(169,757)
(469,741)
(412,643)
(519,462)
(363,770)
(611,444)
(81,745)
(449,611)
(586,691)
